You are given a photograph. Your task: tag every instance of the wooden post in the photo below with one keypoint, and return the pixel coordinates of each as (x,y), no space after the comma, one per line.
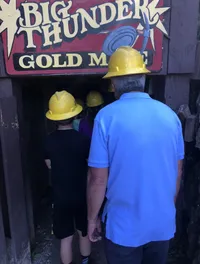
(196,75)
(24,156)
(2,65)
(166,40)
(3,253)
(182,49)
(183,36)
(11,152)
(177,89)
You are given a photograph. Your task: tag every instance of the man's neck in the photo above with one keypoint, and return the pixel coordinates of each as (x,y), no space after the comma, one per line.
(67,127)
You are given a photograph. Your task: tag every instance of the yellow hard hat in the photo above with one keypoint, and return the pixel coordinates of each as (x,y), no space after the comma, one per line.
(62,106)
(80,102)
(94,99)
(126,61)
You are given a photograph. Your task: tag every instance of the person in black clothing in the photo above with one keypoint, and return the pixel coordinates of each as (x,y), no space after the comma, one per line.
(66,155)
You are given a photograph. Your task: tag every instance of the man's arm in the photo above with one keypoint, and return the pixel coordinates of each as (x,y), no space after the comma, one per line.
(96,188)
(178,182)
(180,158)
(97,179)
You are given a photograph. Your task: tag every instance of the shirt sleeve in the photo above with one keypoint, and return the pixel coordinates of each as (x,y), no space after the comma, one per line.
(98,157)
(180,147)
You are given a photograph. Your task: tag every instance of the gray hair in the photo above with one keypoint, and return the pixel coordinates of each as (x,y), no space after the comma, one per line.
(130,83)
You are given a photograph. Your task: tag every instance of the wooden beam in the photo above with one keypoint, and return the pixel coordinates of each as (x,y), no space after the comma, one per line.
(11,152)
(3,253)
(196,75)
(2,61)
(167,18)
(24,147)
(177,88)
(3,198)
(183,36)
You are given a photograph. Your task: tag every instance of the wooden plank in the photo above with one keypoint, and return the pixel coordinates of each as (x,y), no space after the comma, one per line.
(3,255)
(167,18)
(17,89)
(196,75)
(11,152)
(183,36)
(2,61)
(177,88)
(3,198)
(6,89)
(4,93)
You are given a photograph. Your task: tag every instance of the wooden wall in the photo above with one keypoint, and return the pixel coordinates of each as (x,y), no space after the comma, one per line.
(12,168)
(182,45)
(183,36)
(196,75)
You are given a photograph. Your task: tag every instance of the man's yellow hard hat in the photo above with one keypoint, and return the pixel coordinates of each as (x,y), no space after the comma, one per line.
(126,61)
(62,106)
(94,99)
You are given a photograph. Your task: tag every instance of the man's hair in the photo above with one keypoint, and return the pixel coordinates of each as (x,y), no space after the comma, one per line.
(65,122)
(129,83)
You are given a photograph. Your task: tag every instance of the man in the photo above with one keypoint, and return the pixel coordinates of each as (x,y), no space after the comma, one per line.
(66,155)
(136,152)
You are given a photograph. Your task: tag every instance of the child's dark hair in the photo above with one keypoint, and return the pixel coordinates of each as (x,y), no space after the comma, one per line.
(65,122)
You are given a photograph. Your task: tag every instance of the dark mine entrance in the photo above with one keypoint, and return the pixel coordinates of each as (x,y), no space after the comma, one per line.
(33,96)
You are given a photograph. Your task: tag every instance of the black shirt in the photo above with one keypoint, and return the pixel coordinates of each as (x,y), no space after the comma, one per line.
(68,151)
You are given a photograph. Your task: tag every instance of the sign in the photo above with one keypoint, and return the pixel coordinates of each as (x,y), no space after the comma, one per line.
(78,36)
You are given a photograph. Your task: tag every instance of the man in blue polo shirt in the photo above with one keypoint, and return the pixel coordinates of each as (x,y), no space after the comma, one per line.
(136,159)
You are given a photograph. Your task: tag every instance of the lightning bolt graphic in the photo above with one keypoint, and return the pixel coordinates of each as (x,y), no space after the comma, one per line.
(9,15)
(154,14)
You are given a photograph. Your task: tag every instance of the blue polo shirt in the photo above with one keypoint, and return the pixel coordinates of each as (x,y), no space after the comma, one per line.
(140,140)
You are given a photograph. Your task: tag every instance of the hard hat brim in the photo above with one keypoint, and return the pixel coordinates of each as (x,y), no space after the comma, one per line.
(121,73)
(60,117)
(94,105)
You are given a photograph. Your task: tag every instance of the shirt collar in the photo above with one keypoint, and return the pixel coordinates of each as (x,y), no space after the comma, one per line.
(135,95)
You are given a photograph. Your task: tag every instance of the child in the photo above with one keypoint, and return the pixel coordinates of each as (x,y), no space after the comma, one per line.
(94,102)
(66,155)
